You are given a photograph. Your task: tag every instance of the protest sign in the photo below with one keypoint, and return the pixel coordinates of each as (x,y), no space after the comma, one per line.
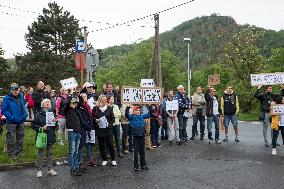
(214,79)
(152,95)
(147,83)
(171,105)
(103,123)
(50,119)
(267,79)
(69,83)
(277,109)
(131,95)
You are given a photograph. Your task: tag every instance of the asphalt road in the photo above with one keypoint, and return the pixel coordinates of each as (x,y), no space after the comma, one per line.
(196,164)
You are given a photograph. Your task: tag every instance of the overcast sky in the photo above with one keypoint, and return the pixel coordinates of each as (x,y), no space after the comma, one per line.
(262,13)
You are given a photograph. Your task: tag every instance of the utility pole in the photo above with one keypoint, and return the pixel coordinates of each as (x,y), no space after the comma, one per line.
(157,53)
(86,49)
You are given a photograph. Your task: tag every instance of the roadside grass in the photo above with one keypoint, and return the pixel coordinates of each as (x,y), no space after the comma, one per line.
(253,116)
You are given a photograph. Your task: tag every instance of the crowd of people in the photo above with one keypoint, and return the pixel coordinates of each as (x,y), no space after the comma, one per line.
(85,118)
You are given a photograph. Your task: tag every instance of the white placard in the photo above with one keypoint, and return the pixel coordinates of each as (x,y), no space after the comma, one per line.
(147,83)
(103,123)
(69,83)
(50,119)
(267,79)
(152,95)
(131,95)
(91,102)
(171,105)
(92,138)
(277,109)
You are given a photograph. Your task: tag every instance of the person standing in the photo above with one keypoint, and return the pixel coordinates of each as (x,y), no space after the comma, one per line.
(53,98)
(30,102)
(39,95)
(230,109)
(126,131)
(110,92)
(213,111)
(198,112)
(13,108)
(265,99)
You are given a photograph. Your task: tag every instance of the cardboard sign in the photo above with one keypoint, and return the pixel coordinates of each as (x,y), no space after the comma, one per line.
(139,95)
(277,109)
(147,83)
(50,119)
(171,105)
(267,79)
(214,79)
(69,83)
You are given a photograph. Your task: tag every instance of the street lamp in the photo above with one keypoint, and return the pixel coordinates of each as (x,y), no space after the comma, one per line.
(188,67)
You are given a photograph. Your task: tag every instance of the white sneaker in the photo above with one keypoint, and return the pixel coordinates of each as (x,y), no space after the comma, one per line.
(210,141)
(61,143)
(114,163)
(274,151)
(104,163)
(39,174)
(51,172)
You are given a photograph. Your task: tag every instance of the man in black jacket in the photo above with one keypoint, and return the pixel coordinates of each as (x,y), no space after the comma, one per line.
(265,99)
(38,96)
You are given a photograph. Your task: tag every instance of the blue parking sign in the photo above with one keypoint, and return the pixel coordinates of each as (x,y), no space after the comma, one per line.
(80,45)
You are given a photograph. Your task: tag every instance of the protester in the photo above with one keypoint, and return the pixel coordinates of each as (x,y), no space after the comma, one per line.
(138,132)
(38,96)
(53,98)
(22,90)
(104,119)
(198,112)
(110,92)
(30,103)
(40,123)
(126,131)
(230,109)
(13,108)
(265,99)
(213,111)
(73,127)
(116,125)
(47,89)
(61,102)
(183,102)
(145,110)
(155,113)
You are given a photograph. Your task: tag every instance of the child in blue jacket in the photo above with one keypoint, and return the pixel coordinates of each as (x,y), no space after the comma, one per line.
(137,124)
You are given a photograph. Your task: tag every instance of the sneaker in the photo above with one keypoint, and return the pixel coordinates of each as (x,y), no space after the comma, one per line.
(237,139)
(114,163)
(218,141)
(51,172)
(104,163)
(154,146)
(126,152)
(226,139)
(210,141)
(191,138)
(145,168)
(39,174)
(274,151)
(60,143)
(137,169)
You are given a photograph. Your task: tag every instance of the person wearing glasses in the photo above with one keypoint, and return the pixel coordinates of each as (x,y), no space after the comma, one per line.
(13,108)
(230,109)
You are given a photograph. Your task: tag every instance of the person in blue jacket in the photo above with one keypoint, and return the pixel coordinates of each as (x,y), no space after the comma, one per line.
(137,124)
(13,108)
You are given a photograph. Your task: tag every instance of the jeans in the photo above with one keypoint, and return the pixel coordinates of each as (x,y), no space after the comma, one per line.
(210,120)
(89,151)
(73,141)
(233,118)
(61,128)
(104,144)
(15,139)
(173,128)
(266,123)
(116,134)
(201,118)
(139,148)
(182,126)
(48,157)
(153,131)
(126,134)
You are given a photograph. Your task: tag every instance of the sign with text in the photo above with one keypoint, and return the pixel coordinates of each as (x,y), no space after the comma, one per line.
(141,95)
(69,83)
(277,109)
(171,105)
(50,119)
(267,79)
(214,79)
(147,83)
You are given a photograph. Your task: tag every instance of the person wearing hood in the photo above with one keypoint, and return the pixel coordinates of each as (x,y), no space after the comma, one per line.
(39,95)
(265,99)
(13,108)
(230,109)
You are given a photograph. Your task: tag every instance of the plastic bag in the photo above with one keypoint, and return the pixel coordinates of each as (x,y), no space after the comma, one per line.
(41,140)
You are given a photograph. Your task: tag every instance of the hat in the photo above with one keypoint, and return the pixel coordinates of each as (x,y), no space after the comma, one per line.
(88,85)
(14,86)
(136,107)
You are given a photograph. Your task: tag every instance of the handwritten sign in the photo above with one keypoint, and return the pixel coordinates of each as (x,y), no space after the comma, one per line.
(147,83)
(141,95)
(214,79)
(277,109)
(267,79)
(50,119)
(69,83)
(171,105)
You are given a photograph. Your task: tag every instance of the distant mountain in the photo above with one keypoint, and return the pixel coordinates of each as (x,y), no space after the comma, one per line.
(208,35)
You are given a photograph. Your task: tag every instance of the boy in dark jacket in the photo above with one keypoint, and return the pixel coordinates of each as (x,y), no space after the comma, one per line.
(73,126)
(137,124)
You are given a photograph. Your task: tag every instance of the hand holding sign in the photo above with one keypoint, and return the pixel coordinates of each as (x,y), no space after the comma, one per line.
(69,83)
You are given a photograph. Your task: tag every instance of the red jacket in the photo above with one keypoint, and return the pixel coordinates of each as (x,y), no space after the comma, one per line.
(29,100)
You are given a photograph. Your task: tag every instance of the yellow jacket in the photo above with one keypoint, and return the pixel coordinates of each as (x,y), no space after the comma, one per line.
(274,123)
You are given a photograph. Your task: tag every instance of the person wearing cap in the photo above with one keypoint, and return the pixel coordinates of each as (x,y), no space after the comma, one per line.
(90,90)
(13,108)
(60,107)
(39,95)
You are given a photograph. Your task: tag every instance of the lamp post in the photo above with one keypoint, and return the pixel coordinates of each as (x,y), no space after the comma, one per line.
(188,67)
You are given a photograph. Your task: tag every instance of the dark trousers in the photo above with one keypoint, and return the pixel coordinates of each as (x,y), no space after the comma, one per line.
(139,148)
(198,117)
(15,139)
(126,132)
(116,135)
(105,143)
(275,134)
(182,121)
(154,132)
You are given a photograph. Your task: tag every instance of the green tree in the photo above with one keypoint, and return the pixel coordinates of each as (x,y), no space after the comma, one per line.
(3,63)
(276,61)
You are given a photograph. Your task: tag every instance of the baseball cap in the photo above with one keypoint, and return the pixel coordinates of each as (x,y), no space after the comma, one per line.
(14,86)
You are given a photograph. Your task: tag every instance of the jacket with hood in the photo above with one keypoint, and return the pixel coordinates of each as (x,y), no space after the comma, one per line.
(266,98)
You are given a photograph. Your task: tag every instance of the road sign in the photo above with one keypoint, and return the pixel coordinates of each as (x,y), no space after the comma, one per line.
(80,45)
